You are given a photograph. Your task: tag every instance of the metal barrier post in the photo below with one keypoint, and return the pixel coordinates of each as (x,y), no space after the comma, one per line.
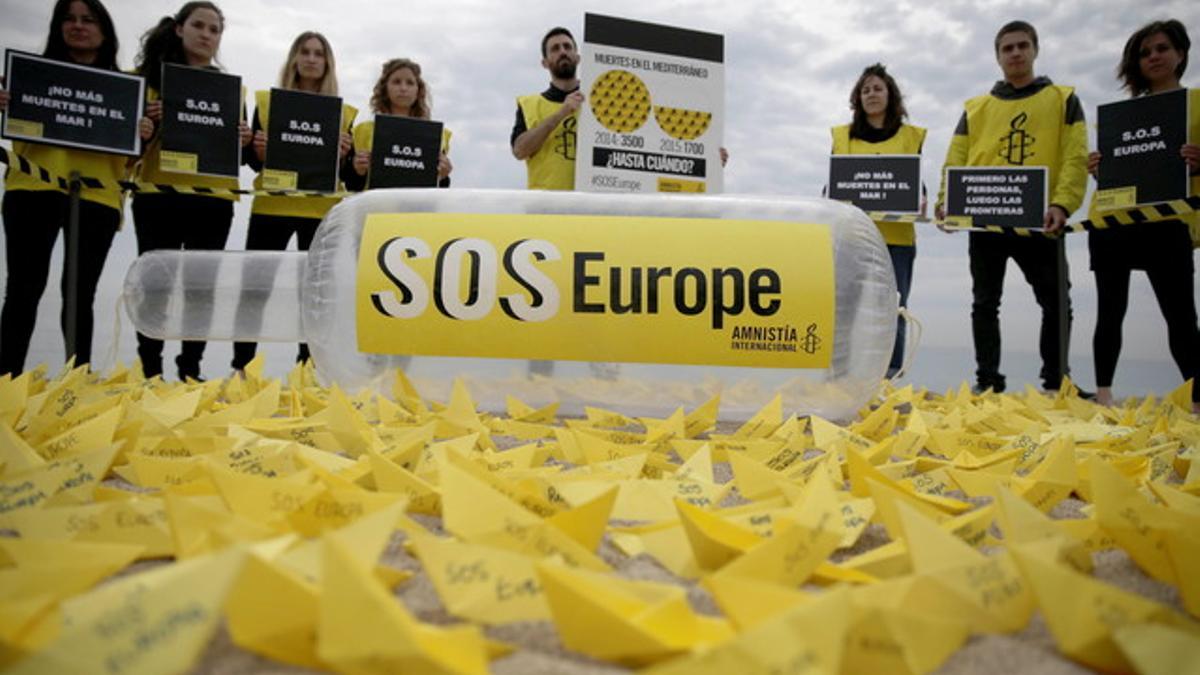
(1064,309)
(71,267)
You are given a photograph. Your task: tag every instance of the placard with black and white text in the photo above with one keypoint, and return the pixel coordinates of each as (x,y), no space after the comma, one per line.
(201,112)
(1139,141)
(883,183)
(1012,197)
(404,152)
(75,106)
(302,141)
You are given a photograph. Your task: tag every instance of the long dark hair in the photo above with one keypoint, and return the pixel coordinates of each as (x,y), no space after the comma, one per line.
(379,96)
(893,115)
(1130,70)
(162,45)
(56,46)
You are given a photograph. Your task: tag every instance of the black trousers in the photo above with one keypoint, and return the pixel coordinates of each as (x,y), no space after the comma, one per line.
(1037,257)
(1165,253)
(32,219)
(902,263)
(192,222)
(268,233)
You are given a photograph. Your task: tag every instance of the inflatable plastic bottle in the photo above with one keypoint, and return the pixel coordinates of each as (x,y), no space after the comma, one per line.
(638,303)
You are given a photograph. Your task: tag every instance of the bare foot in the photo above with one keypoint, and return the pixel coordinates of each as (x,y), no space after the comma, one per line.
(1104,396)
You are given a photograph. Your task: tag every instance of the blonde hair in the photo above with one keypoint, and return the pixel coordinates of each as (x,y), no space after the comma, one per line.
(289,77)
(421,107)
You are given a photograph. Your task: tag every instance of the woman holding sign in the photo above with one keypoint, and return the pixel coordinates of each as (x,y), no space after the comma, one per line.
(400,91)
(81,32)
(310,67)
(173,221)
(878,128)
(1154,59)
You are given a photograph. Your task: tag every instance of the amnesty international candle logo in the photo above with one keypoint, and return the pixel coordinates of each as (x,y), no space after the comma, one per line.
(689,291)
(567,139)
(1017,145)
(811,342)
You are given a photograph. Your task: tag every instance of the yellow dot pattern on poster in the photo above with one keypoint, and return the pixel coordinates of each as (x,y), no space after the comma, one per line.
(620,101)
(680,123)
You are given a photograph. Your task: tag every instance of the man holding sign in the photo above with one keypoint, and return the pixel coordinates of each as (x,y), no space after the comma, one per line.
(1024,121)
(544,134)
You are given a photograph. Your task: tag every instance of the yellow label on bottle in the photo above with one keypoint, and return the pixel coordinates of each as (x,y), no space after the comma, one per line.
(693,291)
(178,162)
(276,179)
(24,128)
(1115,198)
(677,185)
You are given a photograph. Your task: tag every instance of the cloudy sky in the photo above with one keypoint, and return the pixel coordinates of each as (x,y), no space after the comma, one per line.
(789,69)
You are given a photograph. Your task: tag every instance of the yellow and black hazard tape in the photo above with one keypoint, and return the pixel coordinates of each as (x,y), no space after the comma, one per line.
(1117,218)
(996,229)
(885,217)
(19,163)
(1140,214)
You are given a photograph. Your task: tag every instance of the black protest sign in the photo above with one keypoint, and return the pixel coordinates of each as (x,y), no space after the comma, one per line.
(996,196)
(404,152)
(200,116)
(1139,141)
(889,183)
(65,104)
(302,141)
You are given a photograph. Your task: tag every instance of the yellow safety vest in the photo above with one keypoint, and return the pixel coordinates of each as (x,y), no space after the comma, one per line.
(1020,132)
(552,167)
(61,162)
(907,141)
(299,207)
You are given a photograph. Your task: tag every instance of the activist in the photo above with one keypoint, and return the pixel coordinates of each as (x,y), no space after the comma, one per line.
(81,32)
(543,135)
(310,67)
(1024,121)
(171,221)
(878,128)
(400,90)
(1154,59)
